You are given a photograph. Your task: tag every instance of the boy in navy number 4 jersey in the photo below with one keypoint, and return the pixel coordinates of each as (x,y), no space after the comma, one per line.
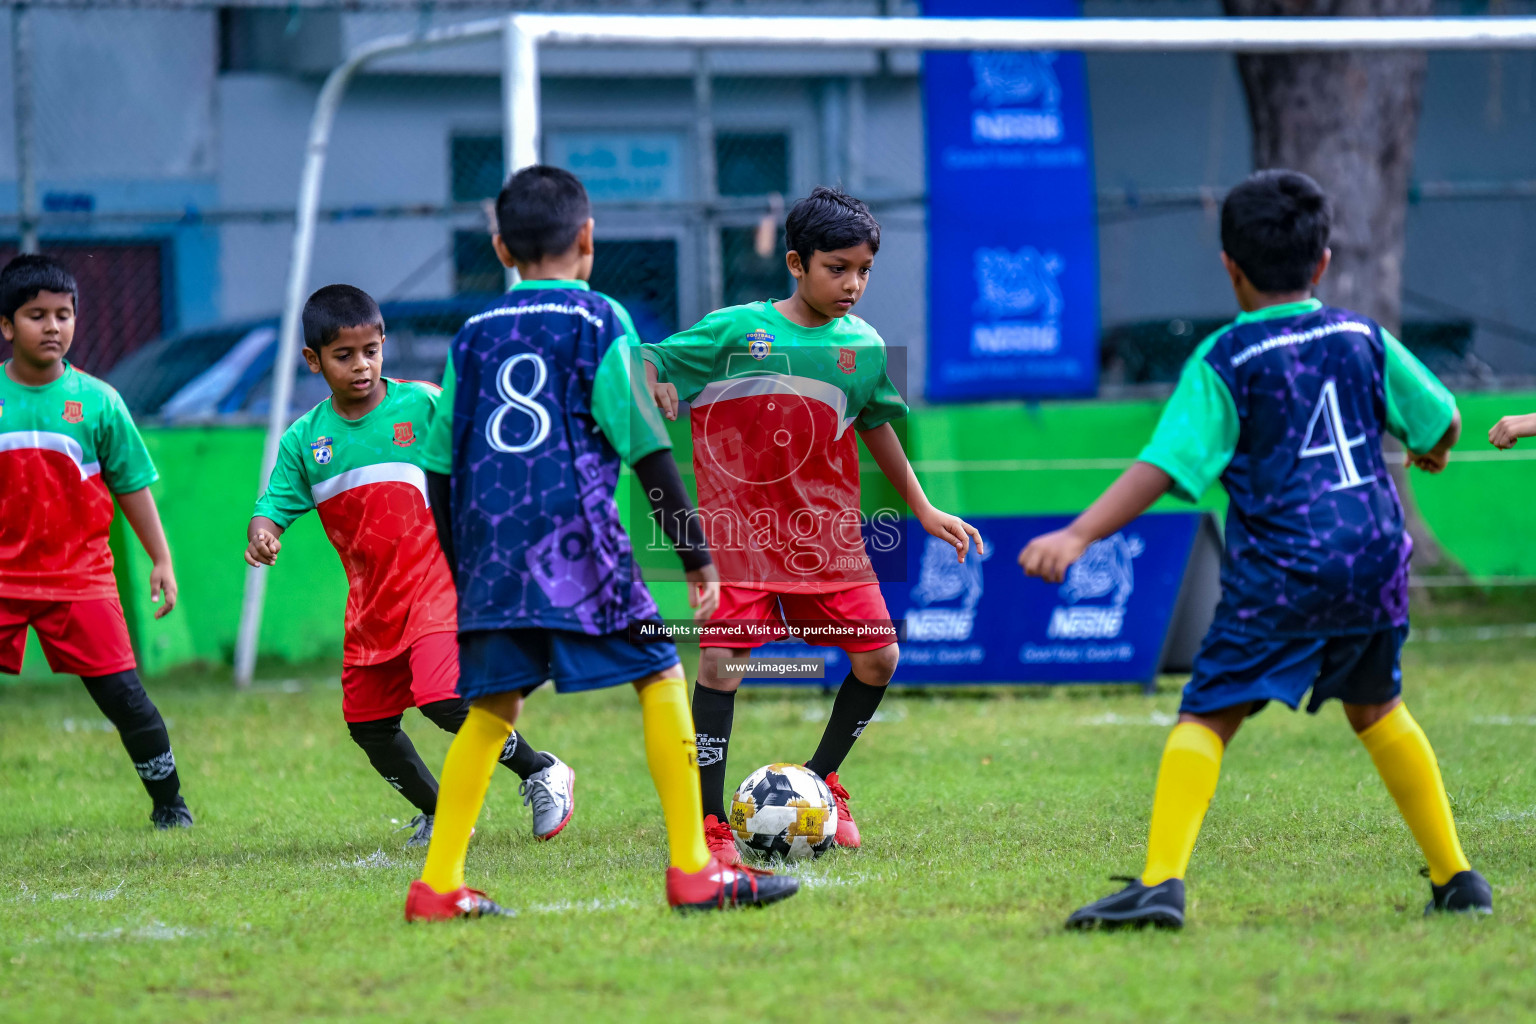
(1287,406)
(542,400)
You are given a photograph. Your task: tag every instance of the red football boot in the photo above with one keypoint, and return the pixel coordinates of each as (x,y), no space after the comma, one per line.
(424,903)
(847,831)
(721,840)
(719,886)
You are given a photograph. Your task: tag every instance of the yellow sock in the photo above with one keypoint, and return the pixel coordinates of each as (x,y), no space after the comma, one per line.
(461,793)
(674,763)
(1407,765)
(1186,782)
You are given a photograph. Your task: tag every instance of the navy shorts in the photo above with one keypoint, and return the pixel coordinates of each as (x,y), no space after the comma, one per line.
(502,660)
(1233,669)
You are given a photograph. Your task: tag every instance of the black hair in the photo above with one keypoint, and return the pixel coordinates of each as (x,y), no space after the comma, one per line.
(540,211)
(28,276)
(1275,225)
(829,219)
(334,307)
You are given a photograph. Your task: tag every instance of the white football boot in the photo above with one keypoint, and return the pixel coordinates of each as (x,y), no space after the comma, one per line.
(552,795)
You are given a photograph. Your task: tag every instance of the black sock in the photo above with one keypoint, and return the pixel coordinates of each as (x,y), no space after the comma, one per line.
(393,756)
(517,754)
(713,711)
(852,710)
(121,697)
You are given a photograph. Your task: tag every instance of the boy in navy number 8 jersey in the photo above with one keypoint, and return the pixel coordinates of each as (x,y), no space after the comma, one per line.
(1287,406)
(542,398)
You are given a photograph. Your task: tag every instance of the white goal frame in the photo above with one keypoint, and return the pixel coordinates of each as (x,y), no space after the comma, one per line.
(523,33)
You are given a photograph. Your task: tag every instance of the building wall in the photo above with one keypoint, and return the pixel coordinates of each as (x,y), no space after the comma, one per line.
(134,111)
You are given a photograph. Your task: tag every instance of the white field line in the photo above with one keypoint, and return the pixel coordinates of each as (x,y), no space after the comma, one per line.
(1527,720)
(377,859)
(101,895)
(1474,634)
(155,931)
(1161,719)
(1100,465)
(814,714)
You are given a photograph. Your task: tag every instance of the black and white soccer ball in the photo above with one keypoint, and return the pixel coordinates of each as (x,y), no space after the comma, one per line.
(783,811)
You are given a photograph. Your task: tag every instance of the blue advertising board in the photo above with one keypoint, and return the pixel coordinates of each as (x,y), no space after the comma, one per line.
(1013,270)
(985,622)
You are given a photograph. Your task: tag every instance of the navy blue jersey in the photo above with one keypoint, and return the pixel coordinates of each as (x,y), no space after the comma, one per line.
(543,398)
(1289,405)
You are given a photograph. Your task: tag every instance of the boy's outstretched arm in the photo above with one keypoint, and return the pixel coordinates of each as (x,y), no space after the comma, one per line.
(262,544)
(885,446)
(1511,429)
(139,508)
(1051,554)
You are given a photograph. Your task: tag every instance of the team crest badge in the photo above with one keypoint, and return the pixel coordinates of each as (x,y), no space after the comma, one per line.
(2,407)
(846,359)
(405,436)
(74,412)
(759,342)
(322,450)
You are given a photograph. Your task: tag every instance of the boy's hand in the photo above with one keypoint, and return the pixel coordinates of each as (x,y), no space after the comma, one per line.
(263,549)
(952,529)
(1432,462)
(1511,429)
(1050,555)
(665,397)
(162,582)
(704,592)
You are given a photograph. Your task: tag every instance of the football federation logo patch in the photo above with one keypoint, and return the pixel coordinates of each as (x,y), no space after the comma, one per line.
(405,436)
(759,343)
(847,360)
(2,407)
(74,412)
(321,450)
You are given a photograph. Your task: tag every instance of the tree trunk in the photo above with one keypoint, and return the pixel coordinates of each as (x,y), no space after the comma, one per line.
(1349,120)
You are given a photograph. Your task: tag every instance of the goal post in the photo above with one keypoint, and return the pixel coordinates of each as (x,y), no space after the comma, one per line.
(521,35)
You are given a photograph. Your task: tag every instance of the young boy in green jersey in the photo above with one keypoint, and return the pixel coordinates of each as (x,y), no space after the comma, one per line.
(774,388)
(357,459)
(1287,406)
(67,448)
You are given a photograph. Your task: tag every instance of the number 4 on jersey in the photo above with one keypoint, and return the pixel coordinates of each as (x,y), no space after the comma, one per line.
(1327,435)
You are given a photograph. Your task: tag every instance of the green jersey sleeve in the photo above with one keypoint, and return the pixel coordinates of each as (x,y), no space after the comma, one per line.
(885,402)
(1196,435)
(621,403)
(439,453)
(287,496)
(1419,407)
(125,462)
(686,360)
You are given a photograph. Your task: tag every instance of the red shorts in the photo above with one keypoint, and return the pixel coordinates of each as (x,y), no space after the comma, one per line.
(80,638)
(854,619)
(424,673)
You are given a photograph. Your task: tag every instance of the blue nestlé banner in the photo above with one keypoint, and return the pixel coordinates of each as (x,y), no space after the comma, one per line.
(985,622)
(1012,237)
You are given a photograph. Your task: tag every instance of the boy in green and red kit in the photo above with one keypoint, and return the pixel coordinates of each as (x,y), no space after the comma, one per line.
(67,447)
(357,458)
(775,388)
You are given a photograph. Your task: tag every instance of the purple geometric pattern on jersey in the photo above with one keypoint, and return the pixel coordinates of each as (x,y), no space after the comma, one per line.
(537,533)
(1315,538)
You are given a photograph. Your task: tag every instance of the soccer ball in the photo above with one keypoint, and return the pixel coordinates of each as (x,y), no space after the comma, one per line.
(783,810)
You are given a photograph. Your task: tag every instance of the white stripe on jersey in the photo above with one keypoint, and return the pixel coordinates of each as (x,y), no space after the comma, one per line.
(48,441)
(810,388)
(379,473)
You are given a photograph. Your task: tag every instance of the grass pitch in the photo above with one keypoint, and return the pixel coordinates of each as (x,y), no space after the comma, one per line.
(987,817)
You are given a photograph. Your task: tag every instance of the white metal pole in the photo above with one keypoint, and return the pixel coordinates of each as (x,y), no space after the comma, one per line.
(520,90)
(1243,35)
(25,112)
